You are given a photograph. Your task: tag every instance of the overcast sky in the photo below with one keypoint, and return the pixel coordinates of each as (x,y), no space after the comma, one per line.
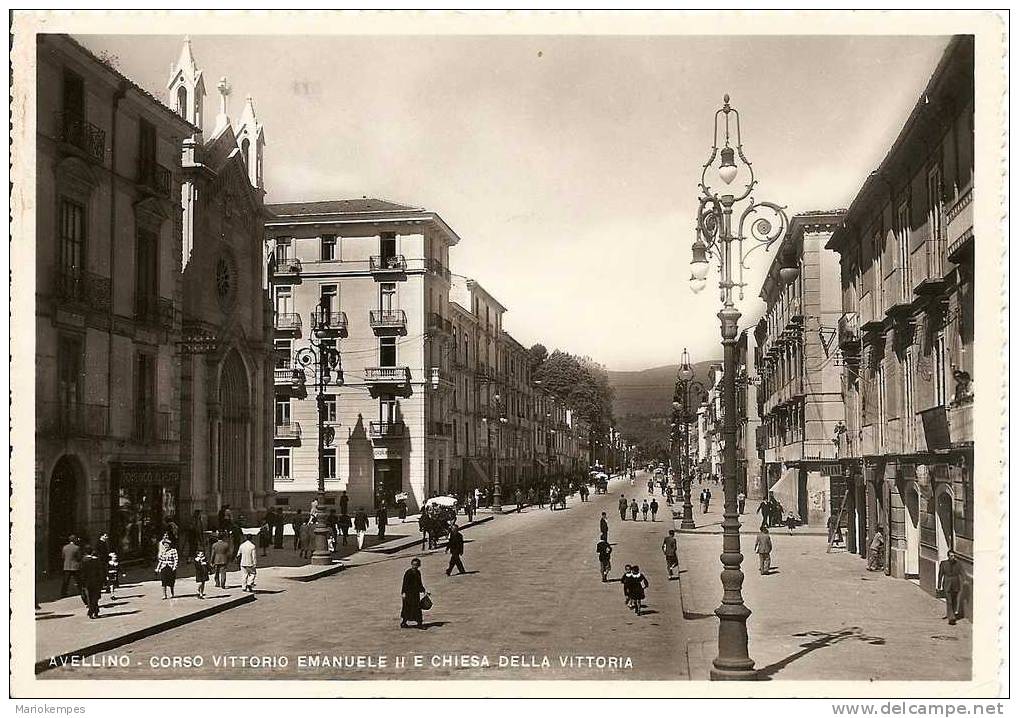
(568,165)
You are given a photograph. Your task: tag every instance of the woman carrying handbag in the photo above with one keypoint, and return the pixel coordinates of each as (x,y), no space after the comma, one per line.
(415,598)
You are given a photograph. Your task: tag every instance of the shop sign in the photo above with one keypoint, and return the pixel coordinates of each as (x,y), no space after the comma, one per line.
(385,452)
(146,474)
(832,470)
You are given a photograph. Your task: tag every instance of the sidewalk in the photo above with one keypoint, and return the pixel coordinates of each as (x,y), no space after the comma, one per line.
(711,522)
(821,616)
(64,632)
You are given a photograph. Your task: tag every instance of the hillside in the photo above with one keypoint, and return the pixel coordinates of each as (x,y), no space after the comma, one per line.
(649,392)
(643,405)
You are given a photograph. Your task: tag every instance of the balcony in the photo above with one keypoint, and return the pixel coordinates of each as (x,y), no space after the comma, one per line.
(82,135)
(82,290)
(75,419)
(959,227)
(388,266)
(289,433)
(397,376)
(820,450)
(287,323)
(437,323)
(288,378)
(327,322)
(152,427)
(153,311)
(287,269)
(435,267)
(849,330)
(153,177)
(898,302)
(386,430)
(948,427)
(388,321)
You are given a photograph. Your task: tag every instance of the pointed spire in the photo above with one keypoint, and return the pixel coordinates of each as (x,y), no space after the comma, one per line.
(186,88)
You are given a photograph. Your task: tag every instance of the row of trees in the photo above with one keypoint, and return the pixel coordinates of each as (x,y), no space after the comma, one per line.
(580,382)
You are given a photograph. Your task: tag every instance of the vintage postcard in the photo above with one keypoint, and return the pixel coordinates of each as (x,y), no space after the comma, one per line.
(508,354)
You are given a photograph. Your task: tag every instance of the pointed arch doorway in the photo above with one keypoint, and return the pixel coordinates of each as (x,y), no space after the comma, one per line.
(63,499)
(234,433)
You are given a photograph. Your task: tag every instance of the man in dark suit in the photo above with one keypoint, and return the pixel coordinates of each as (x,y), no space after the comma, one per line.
(220,559)
(604,525)
(93,574)
(622,507)
(71,556)
(381,520)
(950,582)
(455,548)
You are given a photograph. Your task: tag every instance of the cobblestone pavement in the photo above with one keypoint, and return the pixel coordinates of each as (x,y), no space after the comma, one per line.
(532,605)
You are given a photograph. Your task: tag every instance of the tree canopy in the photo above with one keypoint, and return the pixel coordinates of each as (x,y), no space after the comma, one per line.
(579,382)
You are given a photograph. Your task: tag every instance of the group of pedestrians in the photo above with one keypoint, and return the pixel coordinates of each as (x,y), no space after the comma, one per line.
(634,508)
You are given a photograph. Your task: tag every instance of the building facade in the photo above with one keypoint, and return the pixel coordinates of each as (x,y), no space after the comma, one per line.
(750,473)
(108,305)
(370,279)
(800,397)
(906,334)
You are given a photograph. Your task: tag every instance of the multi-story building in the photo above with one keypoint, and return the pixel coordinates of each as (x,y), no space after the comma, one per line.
(709,425)
(226,353)
(517,390)
(799,397)
(108,298)
(370,279)
(906,334)
(749,471)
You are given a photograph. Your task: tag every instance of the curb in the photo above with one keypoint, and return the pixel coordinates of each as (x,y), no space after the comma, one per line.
(118,641)
(697,662)
(314,575)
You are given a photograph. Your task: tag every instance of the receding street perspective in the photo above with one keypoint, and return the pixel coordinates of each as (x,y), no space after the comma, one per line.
(505,357)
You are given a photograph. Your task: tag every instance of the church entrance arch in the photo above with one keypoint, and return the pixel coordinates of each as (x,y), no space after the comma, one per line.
(66,488)
(234,398)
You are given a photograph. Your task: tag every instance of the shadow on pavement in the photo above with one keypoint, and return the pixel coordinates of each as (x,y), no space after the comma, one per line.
(822,639)
(118,613)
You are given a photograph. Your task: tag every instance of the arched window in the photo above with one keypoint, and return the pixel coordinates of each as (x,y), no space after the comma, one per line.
(182,102)
(245,145)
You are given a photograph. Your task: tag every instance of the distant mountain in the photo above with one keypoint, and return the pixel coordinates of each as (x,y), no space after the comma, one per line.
(643,404)
(649,392)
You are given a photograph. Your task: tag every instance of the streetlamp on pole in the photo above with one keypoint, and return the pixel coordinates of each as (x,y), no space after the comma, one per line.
(323,358)
(493,459)
(686,389)
(765,222)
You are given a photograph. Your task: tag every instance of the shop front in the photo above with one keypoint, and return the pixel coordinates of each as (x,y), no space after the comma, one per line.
(143,497)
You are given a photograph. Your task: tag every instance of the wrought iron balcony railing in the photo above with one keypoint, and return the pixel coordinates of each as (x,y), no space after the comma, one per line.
(388,319)
(83,289)
(290,431)
(387,375)
(386,429)
(154,177)
(328,320)
(154,426)
(88,138)
(287,376)
(395,263)
(287,321)
(287,266)
(153,310)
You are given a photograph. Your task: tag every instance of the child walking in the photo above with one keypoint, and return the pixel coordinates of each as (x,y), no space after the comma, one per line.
(201,572)
(113,575)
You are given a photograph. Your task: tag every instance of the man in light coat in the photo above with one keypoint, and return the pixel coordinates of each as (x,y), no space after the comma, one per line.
(248,555)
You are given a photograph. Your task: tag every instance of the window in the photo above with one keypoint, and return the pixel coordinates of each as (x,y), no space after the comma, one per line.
(329,299)
(329,409)
(146,148)
(182,102)
(934,208)
(284,249)
(281,464)
(74,104)
(329,464)
(328,247)
(881,388)
(387,351)
(282,411)
(284,300)
(69,371)
(146,272)
(387,246)
(907,395)
(940,379)
(387,296)
(902,222)
(145,396)
(72,237)
(283,349)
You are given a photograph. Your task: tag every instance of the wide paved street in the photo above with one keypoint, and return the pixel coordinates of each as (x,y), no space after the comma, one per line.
(533,602)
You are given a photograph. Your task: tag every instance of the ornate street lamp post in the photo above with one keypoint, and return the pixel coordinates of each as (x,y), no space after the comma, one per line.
(686,389)
(765,222)
(323,359)
(493,459)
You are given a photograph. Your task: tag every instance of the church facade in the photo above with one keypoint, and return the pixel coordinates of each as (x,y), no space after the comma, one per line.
(226,380)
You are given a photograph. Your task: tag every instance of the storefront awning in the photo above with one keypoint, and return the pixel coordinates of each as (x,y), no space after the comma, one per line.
(477,472)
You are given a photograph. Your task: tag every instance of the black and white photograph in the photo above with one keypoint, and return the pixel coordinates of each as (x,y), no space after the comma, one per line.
(372,353)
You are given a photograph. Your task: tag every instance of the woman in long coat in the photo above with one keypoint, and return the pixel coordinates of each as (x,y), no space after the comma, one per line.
(411,593)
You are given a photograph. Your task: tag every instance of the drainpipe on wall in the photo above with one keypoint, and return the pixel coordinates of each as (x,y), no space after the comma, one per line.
(117,97)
